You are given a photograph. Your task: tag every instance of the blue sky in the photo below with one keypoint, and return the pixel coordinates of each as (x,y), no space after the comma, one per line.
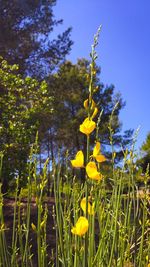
(124,50)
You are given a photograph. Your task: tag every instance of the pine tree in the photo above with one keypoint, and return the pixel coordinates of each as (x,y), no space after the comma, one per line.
(69,87)
(144,162)
(26,28)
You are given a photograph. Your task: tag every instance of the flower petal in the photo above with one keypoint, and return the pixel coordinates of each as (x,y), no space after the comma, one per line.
(100,158)
(90,207)
(96,149)
(78,162)
(86,104)
(81,226)
(94,113)
(87,126)
(91,170)
(96,153)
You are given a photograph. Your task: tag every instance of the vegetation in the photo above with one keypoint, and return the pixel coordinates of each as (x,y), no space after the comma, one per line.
(55,111)
(95,224)
(26,36)
(69,88)
(24,102)
(64,162)
(144,162)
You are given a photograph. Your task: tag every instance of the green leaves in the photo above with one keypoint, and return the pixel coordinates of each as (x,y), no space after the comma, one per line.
(23,102)
(25,36)
(144,161)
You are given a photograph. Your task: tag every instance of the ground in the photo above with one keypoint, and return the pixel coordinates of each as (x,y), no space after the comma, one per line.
(8,219)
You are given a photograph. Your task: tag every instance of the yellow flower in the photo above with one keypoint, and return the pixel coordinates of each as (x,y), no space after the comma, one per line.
(100,158)
(33,226)
(96,153)
(94,113)
(78,162)
(90,207)
(91,170)
(96,149)
(86,104)
(81,226)
(87,126)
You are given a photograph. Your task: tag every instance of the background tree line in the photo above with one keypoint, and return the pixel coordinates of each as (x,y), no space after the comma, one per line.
(41,91)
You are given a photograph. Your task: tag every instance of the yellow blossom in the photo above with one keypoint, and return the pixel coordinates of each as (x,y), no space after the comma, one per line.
(96,149)
(81,226)
(78,162)
(100,158)
(94,113)
(96,153)
(91,170)
(87,126)
(86,104)
(90,207)
(33,226)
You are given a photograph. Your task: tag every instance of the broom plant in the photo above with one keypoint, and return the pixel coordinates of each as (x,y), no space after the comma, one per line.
(99,222)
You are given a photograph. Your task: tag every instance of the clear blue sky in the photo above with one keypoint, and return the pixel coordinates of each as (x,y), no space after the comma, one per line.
(124,50)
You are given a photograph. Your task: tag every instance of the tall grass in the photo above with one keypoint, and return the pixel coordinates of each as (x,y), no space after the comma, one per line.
(114,228)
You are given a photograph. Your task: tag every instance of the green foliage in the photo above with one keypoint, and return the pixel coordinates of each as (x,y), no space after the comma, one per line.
(69,87)
(144,162)
(26,36)
(146,145)
(24,102)
(118,234)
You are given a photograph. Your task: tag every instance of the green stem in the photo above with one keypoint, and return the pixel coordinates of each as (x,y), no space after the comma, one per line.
(59,216)
(86,195)
(25,256)
(117,196)
(14,227)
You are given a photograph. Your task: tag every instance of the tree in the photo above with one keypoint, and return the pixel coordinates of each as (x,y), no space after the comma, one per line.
(25,36)
(24,102)
(144,162)
(69,87)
